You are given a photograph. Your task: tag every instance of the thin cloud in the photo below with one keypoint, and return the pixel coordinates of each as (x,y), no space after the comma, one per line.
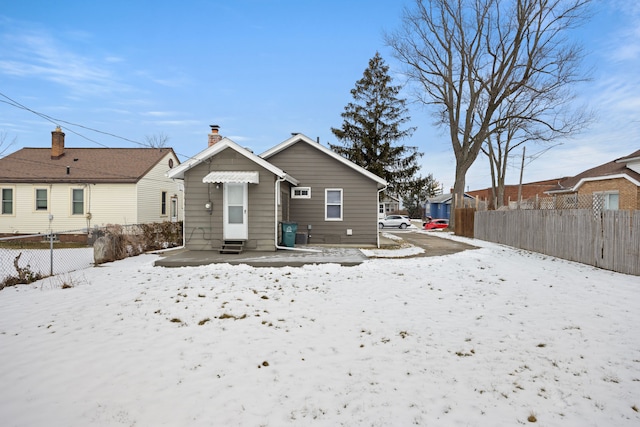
(34,53)
(173,122)
(177,79)
(624,45)
(158,113)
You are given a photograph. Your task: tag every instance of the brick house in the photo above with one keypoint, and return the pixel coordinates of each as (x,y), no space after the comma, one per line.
(529,191)
(612,185)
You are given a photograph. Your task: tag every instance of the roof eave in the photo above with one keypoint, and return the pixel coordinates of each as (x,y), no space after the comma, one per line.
(582,181)
(179,171)
(381,183)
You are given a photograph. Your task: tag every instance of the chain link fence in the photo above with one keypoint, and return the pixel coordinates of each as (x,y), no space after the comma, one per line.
(24,259)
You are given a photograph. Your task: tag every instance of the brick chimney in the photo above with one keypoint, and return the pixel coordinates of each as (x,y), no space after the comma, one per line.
(214,137)
(57,143)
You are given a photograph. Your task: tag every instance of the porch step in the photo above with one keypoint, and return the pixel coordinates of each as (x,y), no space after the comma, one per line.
(232,247)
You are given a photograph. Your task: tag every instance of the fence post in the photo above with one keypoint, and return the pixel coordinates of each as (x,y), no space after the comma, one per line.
(51,252)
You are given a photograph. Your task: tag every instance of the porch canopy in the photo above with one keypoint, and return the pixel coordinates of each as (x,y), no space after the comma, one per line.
(251,177)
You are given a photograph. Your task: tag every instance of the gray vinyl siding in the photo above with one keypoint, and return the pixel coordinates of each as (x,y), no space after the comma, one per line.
(204,231)
(319,171)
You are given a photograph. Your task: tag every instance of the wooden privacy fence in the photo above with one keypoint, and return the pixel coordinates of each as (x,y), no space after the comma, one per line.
(464,222)
(609,240)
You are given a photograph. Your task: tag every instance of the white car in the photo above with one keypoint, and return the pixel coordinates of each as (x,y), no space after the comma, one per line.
(400,221)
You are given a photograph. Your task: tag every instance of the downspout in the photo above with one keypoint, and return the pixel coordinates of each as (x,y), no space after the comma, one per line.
(184,205)
(275,215)
(181,190)
(377,208)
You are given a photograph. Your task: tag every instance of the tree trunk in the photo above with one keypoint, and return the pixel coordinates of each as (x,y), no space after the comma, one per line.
(458,192)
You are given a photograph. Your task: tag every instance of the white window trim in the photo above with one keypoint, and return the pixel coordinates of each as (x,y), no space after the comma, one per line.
(166,203)
(13,200)
(84,201)
(35,199)
(326,192)
(606,200)
(303,196)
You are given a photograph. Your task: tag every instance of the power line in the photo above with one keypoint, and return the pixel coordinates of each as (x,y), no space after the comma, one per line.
(57,122)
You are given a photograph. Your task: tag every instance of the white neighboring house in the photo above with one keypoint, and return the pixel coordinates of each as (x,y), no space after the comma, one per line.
(388,205)
(74,189)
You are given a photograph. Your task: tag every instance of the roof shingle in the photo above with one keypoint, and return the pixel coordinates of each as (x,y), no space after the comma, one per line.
(85,165)
(614,167)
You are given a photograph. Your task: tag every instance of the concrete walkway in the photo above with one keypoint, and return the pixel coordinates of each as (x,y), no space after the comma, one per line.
(279,258)
(328,254)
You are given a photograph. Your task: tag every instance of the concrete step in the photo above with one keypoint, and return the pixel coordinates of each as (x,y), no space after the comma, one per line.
(232,247)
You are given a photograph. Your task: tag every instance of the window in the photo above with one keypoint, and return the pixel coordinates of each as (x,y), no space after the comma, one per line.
(77,201)
(174,209)
(7,201)
(163,203)
(41,199)
(333,204)
(605,200)
(611,201)
(301,192)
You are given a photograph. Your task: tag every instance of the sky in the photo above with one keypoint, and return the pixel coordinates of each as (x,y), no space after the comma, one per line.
(485,337)
(114,73)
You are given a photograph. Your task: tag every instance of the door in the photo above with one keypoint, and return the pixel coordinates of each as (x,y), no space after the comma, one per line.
(174,209)
(235,225)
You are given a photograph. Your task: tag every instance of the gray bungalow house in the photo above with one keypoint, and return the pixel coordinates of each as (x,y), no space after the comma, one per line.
(236,200)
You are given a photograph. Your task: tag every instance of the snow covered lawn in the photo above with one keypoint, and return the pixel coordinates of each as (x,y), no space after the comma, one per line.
(39,260)
(487,337)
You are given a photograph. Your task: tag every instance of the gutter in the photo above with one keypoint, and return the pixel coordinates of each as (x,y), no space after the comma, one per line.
(181,189)
(377,229)
(275,216)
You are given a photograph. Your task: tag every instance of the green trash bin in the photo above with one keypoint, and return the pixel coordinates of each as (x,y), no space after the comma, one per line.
(289,230)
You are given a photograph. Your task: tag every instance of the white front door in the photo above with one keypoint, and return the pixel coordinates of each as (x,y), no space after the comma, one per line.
(235,211)
(174,209)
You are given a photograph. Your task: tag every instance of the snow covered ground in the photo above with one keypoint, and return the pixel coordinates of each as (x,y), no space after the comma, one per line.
(39,260)
(487,337)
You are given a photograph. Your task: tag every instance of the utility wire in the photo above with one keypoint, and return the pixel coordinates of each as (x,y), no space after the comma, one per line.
(57,122)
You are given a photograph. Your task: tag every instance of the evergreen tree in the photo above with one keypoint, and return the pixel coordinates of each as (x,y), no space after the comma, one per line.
(416,193)
(372,127)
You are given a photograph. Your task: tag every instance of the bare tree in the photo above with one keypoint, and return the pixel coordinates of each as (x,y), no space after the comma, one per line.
(4,145)
(539,116)
(159,140)
(469,58)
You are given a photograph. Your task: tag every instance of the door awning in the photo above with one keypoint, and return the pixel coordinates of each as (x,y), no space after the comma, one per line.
(251,177)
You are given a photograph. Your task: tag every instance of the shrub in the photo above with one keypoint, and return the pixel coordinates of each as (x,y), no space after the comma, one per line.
(24,275)
(125,242)
(161,235)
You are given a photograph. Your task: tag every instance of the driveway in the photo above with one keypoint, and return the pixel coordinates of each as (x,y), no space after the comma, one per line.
(431,243)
